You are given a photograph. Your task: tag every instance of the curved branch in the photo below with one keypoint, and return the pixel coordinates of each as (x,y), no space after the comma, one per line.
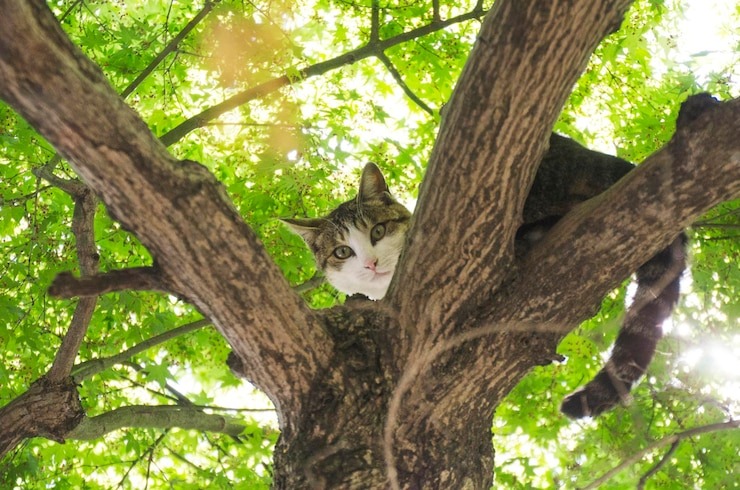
(672,439)
(399,80)
(652,471)
(160,417)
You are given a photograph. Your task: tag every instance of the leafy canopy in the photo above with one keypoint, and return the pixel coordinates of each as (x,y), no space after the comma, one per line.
(297,151)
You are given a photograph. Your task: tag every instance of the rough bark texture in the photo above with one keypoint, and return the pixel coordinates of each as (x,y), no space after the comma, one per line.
(48,409)
(396,393)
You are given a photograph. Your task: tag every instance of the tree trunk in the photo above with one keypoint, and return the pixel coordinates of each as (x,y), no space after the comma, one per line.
(400,392)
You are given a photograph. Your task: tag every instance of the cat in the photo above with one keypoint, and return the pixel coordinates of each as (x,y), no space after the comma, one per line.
(569,174)
(358,245)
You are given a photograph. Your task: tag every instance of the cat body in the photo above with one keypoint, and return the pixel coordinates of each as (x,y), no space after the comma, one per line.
(358,245)
(568,175)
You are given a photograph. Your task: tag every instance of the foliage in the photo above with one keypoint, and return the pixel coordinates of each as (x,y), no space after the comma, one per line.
(297,151)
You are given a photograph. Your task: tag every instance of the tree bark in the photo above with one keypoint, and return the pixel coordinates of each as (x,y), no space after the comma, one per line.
(48,409)
(400,392)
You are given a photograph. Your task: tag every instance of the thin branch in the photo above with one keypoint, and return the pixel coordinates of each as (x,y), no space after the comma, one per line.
(708,224)
(658,466)
(149,451)
(73,187)
(172,46)
(154,417)
(95,366)
(674,438)
(179,398)
(399,79)
(15,201)
(69,10)
(721,238)
(65,285)
(371,49)
(187,461)
(375,21)
(315,281)
(83,228)
(70,186)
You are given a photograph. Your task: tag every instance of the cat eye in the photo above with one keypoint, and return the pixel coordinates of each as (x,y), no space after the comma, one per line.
(377,232)
(343,252)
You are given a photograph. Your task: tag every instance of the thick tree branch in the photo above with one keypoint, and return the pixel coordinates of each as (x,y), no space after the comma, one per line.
(65,285)
(602,241)
(493,136)
(47,409)
(218,263)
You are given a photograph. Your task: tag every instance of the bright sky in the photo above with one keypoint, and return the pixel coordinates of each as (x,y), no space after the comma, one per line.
(710,35)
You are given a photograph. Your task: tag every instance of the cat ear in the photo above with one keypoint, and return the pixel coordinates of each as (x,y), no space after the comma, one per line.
(307,228)
(372,184)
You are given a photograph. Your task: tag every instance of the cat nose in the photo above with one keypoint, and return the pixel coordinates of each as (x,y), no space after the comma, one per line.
(370,264)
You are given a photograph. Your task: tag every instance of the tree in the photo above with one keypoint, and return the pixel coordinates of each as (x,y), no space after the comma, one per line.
(399,392)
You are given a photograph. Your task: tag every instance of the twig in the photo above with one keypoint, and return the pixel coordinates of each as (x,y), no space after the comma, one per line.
(69,10)
(179,398)
(399,79)
(656,468)
(315,281)
(707,224)
(136,461)
(91,368)
(14,201)
(723,237)
(199,120)
(172,46)
(672,439)
(47,169)
(187,461)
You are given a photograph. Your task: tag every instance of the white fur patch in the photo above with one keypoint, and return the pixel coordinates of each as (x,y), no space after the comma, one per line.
(356,274)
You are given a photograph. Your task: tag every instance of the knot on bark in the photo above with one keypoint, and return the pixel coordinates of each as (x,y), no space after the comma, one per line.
(54,408)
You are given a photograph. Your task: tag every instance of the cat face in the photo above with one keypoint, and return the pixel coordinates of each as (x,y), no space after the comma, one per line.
(357,245)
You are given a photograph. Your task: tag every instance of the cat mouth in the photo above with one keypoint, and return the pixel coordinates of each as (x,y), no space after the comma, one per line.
(379,275)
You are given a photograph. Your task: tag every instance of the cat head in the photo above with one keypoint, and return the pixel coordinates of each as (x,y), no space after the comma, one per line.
(357,246)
